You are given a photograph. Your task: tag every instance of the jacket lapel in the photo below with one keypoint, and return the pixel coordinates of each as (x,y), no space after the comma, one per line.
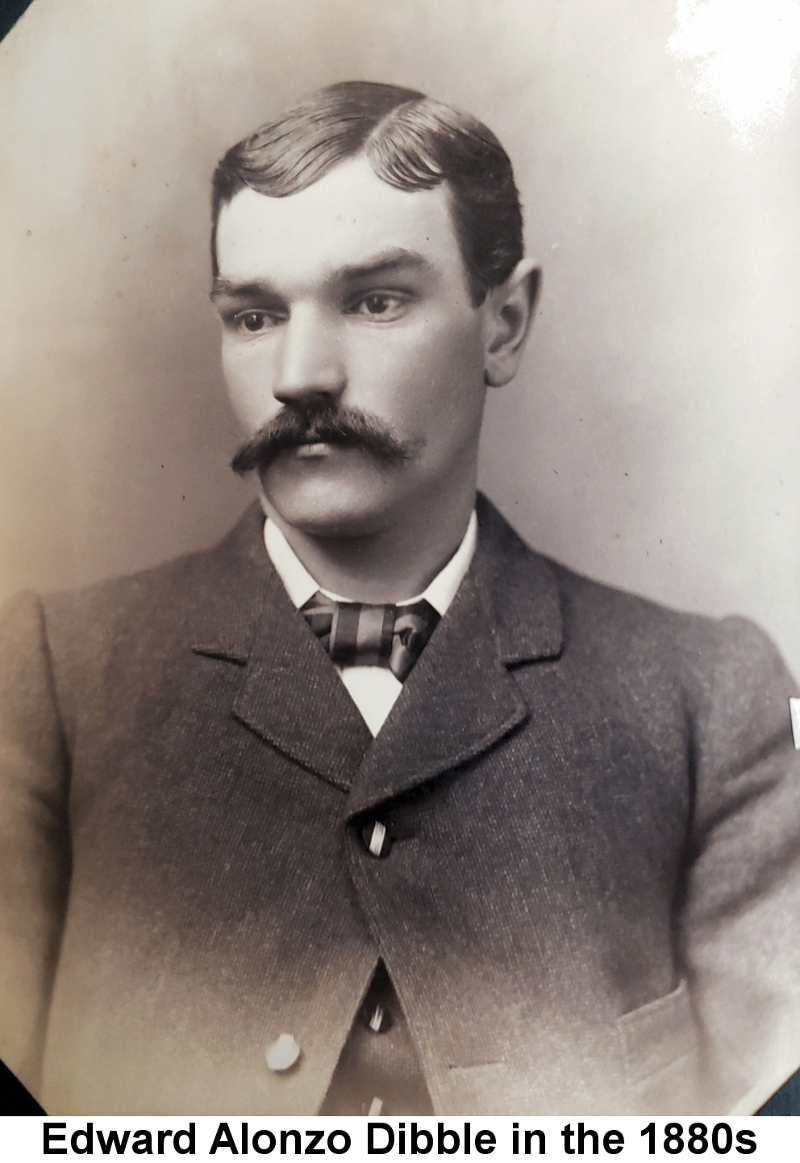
(460,698)
(294,698)
(291,695)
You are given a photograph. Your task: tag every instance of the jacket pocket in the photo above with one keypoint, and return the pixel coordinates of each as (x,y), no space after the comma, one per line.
(657,1034)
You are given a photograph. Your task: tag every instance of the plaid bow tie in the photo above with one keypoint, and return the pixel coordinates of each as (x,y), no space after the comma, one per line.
(358,634)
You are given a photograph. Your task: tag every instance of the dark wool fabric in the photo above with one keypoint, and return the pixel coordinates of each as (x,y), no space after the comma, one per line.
(590,897)
(378,1061)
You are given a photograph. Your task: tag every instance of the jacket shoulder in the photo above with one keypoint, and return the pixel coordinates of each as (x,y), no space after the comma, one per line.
(724,676)
(585,599)
(162,598)
(143,618)
(542,603)
(629,637)
(611,612)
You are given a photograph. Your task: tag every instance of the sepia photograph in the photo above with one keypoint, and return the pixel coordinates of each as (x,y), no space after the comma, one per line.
(400,569)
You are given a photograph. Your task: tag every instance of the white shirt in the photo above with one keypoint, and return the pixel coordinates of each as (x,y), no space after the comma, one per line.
(374,689)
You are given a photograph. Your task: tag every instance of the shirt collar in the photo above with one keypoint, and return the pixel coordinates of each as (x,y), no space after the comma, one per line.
(300,585)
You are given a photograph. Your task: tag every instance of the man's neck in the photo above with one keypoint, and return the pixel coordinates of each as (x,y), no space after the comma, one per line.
(389,566)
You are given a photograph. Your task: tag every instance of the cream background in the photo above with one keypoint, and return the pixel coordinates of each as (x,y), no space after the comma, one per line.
(652,438)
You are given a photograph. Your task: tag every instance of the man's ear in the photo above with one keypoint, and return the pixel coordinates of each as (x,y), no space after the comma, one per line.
(509,314)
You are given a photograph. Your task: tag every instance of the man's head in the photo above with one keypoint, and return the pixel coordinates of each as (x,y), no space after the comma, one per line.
(367,252)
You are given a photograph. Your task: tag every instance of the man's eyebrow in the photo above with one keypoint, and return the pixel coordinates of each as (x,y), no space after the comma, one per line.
(380,264)
(228,289)
(384,263)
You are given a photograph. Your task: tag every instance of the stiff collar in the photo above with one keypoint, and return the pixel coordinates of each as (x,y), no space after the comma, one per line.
(300,585)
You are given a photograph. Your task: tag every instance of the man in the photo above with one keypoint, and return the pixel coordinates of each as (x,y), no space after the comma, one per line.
(371,808)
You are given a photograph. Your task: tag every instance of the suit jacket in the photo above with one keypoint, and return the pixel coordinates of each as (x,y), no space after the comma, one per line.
(592,896)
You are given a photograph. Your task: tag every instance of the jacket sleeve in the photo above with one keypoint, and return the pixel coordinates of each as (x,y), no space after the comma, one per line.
(741,922)
(34,846)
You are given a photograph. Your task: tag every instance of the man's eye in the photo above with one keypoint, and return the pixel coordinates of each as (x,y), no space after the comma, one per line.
(379,306)
(253,321)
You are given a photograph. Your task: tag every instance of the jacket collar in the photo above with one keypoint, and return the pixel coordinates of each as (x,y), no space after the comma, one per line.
(520,588)
(458,701)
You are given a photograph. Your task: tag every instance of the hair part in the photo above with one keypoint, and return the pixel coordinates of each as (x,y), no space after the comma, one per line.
(412,143)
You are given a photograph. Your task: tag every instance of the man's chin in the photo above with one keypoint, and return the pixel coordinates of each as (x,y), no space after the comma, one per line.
(322,507)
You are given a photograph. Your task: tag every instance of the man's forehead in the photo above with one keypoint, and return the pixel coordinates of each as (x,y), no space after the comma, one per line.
(341,222)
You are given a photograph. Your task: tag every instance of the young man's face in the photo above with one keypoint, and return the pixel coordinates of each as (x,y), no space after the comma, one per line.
(352,295)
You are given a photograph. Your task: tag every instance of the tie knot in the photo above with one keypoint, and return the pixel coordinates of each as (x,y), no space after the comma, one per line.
(360,634)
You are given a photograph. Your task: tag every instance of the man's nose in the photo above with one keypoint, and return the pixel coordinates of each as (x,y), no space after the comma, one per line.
(310,361)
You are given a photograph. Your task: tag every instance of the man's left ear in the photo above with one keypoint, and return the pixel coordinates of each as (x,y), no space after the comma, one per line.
(509,314)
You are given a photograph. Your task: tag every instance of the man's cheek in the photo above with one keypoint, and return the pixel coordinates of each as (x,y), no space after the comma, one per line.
(249,381)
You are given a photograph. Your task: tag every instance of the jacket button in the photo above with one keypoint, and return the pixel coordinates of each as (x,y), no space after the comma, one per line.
(376,839)
(282,1053)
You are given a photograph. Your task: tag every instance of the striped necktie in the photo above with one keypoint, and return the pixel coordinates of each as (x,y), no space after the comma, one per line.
(358,634)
